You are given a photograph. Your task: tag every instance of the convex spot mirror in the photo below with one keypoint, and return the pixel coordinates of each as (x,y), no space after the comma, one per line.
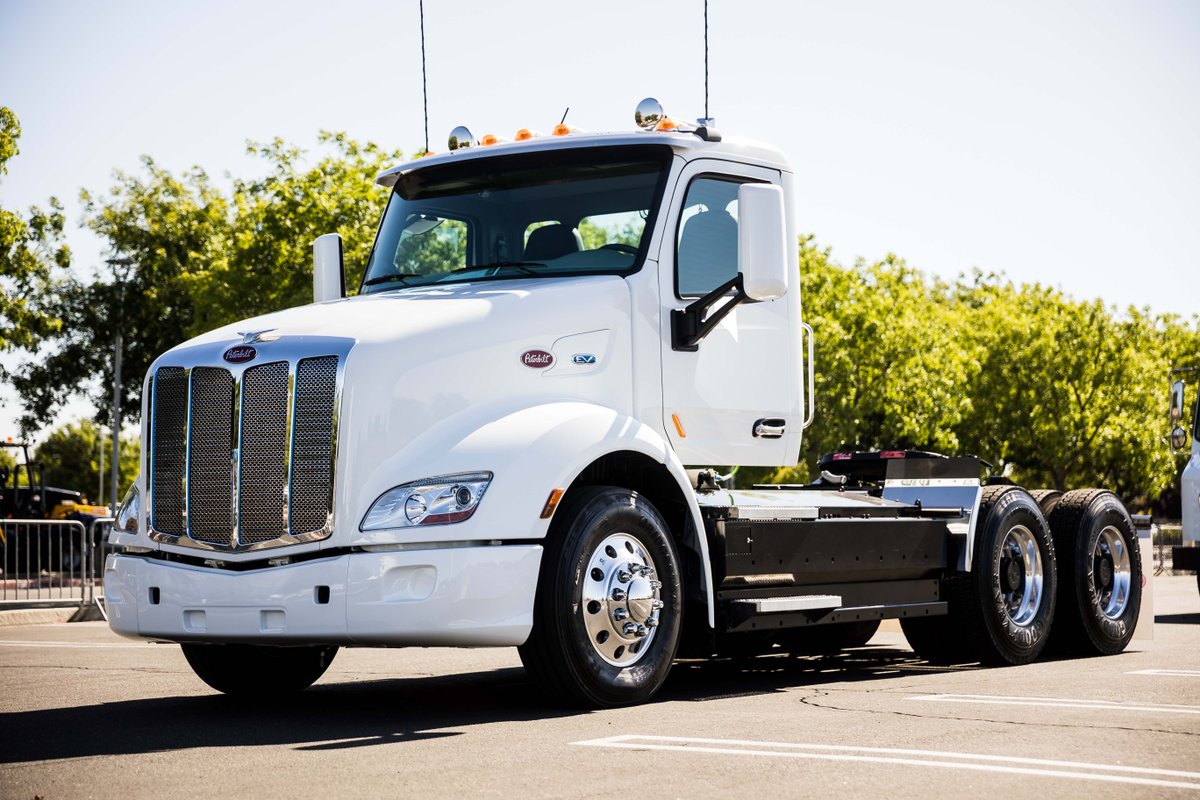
(1177,390)
(329,274)
(762,241)
(1179,438)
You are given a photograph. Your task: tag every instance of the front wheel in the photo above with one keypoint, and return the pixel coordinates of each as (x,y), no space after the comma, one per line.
(606,618)
(258,672)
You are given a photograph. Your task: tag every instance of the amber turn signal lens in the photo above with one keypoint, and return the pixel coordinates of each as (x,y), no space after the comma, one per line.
(552,503)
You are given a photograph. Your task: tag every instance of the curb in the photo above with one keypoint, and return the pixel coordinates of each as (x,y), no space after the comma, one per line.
(35,616)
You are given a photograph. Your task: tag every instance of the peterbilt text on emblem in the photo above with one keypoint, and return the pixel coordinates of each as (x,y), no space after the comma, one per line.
(240,354)
(537,359)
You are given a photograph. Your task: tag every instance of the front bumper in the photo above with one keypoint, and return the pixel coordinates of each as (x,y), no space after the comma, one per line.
(451,596)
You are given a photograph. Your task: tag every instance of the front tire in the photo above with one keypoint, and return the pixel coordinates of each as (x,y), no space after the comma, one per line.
(607,615)
(258,672)
(1102,573)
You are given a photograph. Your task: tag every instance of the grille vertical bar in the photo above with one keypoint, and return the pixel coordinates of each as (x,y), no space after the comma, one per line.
(262,484)
(168,451)
(210,448)
(312,444)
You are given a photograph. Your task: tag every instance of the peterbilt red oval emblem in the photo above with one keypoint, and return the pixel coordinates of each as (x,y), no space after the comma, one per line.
(537,359)
(240,354)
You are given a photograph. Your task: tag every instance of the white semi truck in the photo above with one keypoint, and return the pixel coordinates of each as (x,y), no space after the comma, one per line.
(490,443)
(1187,555)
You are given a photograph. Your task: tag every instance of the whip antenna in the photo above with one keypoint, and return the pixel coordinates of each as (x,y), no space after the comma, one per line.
(705,59)
(425,86)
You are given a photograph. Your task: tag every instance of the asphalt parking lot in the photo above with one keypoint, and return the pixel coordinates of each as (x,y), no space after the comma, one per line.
(84,713)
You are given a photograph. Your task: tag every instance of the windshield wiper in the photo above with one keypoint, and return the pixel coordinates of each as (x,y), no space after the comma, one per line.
(523,266)
(395,276)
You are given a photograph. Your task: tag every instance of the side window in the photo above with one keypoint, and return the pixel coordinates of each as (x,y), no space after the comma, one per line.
(706,253)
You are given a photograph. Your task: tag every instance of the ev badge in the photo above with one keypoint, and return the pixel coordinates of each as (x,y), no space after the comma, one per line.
(240,354)
(584,358)
(537,359)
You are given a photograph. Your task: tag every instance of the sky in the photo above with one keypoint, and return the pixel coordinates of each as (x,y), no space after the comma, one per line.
(1051,141)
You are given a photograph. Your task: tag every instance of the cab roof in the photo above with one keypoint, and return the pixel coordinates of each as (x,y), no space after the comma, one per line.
(687,145)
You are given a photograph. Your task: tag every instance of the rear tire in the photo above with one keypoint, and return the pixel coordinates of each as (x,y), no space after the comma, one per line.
(1101,574)
(1046,499)
(609,564)
(1001,612)
(258,672)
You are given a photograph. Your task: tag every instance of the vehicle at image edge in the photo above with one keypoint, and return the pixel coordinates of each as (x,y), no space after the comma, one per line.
(489,445)
(1186,557)
(34,500)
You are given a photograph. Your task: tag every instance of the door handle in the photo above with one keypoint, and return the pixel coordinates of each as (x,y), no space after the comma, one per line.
(769,428)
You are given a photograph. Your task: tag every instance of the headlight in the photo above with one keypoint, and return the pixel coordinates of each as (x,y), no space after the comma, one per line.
(127,514)
(440,500)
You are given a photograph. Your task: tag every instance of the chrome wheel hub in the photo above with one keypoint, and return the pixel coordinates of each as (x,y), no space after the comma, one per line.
(1021,575)
(621,600)
(1111,573)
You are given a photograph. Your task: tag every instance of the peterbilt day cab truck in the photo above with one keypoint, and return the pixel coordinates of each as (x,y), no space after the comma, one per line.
(1187,555)
(489,445)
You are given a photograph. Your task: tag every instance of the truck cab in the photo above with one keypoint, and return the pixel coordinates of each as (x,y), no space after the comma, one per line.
(490,443)
(1185,427)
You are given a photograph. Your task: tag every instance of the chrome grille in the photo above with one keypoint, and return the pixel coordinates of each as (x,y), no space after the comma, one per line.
(168,452)
(210,447)
(312,450)
(262,482)
(236,455)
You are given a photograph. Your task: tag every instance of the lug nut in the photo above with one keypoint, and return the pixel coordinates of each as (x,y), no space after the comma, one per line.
(629,629)
(618,594)
(641,630)
(657,604)
(624,577)
(652,622)
(620,614)
(656,585)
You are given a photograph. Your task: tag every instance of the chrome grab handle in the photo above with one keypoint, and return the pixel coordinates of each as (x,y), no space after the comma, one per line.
(769,428)
(810,412)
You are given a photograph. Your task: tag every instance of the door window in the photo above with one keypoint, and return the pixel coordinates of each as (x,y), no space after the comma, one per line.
(706,253)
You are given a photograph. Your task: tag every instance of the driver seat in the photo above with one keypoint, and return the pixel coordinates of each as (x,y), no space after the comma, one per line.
(552,241)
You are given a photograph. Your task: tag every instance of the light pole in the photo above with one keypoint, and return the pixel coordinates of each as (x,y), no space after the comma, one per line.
(114,498)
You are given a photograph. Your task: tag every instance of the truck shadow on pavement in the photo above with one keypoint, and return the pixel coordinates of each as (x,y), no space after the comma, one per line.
(358,713)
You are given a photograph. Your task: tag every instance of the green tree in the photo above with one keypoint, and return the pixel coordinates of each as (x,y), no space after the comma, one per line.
(268,265)
(184,257)
(31,256)
(70,458)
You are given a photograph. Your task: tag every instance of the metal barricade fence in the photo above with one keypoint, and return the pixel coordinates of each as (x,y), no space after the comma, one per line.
(51,562)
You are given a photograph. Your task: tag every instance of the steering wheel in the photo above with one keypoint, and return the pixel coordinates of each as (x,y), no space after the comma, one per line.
(628,249)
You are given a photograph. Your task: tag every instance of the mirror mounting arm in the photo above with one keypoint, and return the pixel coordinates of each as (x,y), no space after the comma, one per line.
(689,325)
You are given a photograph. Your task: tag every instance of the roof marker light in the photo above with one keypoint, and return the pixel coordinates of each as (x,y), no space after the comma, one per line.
(563,129)
(490,139)
(461,138)
(524,134)
(665,124)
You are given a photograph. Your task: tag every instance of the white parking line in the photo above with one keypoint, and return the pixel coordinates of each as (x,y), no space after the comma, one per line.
(1178,673)
(1057,702)
(15,643)
(983,762)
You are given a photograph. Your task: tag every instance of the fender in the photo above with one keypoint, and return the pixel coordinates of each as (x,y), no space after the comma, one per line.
(524,449)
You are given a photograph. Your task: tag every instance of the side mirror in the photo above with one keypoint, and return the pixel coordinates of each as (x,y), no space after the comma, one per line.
(329,275)
(762,241)
(1177,390)
(1179,438)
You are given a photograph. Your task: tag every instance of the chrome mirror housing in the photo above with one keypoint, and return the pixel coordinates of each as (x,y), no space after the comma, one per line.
(648,114)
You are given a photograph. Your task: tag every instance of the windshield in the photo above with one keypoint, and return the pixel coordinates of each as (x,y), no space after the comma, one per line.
(543,214)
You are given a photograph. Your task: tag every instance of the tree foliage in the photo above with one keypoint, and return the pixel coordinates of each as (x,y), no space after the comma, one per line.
(70,458)
(31,256)
(1055,392)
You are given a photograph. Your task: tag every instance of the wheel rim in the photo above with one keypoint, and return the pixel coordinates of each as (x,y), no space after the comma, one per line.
(621,600)
(1021,575)
(1111,572)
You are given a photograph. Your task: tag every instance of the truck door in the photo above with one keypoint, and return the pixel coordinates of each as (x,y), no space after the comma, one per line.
(737,398)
